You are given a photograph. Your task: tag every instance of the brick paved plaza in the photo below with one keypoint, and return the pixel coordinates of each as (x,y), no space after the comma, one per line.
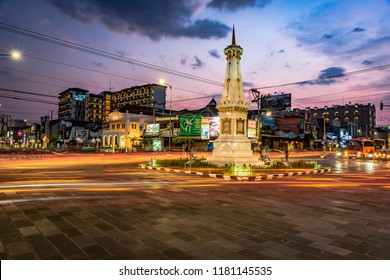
(209,220)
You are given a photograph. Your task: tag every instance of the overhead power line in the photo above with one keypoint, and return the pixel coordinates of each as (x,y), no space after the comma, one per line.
(49,77)
(86,49)
(381,67)
(87,69)
(91,70)
(350,98)
(27,92)
(28,99)
(346,91)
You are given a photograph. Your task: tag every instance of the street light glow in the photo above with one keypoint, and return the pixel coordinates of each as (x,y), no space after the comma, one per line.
(15,55)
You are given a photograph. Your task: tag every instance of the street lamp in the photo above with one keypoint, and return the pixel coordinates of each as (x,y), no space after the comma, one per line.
(162,82)
(16,55)
(324,136)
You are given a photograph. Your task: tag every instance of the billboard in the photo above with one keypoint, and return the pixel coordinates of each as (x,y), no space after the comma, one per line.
(190,126)
(152,129)
(252,129)
(210,128)
(276,102)
(157,145)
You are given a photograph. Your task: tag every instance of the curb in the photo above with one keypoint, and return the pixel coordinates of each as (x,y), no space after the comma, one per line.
(6,158)
(237,178)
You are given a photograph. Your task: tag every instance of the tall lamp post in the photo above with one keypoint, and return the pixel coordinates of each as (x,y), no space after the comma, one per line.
(13,55)
(324,136)
(170,113)
(388,131)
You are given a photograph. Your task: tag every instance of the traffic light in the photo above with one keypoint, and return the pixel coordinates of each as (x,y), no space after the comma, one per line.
(381,105)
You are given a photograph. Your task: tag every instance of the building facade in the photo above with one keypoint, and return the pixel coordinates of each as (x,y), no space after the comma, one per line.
(358,120)
(72,104)
(150,95)
(79,105)
(124,131)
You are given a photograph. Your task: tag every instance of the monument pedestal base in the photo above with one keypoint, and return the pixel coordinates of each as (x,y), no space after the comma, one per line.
(236,150)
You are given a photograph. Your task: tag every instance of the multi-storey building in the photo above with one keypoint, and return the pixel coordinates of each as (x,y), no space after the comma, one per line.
(77,104)
(45,126)
(72,104)
(151,95)
(359,120)
(96,107)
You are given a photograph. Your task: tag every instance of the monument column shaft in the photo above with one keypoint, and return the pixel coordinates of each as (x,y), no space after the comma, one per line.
(233,146)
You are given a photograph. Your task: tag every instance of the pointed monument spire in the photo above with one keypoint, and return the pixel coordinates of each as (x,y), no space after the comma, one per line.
(233,145)
(233,37)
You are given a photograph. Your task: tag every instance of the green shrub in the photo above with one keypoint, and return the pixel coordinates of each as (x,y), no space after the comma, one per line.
(231,168)
(181,163)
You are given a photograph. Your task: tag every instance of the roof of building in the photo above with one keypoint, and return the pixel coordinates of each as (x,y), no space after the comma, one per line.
(73,89)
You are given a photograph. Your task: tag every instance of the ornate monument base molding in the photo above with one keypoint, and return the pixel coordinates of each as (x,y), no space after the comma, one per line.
(233,149)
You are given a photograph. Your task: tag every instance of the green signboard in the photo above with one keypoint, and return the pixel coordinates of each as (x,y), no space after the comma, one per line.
(157,145)
(190,126)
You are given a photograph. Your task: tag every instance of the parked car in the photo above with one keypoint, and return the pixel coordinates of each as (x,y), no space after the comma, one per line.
(88,147)
(105,149)
(383,155)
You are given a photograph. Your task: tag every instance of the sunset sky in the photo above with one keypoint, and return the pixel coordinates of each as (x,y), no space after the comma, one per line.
(288,45)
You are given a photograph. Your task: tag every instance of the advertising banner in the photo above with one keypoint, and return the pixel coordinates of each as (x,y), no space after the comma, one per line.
(205,135)
(152,129)
(276,102)
(210,128)
(157,145)
(252,129)
(190,126)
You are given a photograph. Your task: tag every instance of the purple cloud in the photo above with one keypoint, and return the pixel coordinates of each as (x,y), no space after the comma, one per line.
(154,19)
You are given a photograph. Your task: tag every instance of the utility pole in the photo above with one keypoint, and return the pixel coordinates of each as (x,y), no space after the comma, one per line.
(381,105)
(256,95)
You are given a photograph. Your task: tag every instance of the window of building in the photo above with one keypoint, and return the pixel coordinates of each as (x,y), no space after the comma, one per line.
(356,119)
(118,126)
(123,125)
(113,126)
(133,126)
(346,119)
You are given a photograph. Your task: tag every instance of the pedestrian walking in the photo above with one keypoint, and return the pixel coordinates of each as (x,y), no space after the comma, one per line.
(187,151)
(287,154)
(262,153)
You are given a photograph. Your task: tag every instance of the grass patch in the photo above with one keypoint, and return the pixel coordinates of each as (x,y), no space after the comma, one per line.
(202,163)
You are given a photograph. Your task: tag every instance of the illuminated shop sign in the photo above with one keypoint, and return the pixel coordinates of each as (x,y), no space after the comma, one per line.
(190,126)
(157,145)
(153,129)
(79,96)
(210,128)
(251,129)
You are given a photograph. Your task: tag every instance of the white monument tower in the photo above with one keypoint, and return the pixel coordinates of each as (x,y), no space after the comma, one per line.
(233,145)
